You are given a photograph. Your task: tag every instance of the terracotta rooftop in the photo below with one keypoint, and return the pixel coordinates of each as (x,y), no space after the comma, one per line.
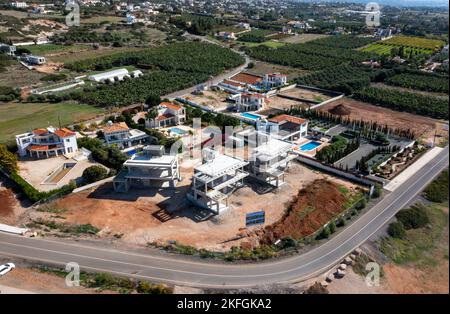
(40,131)
(164,117)
(64,132)
(43,147)
(115,127)
(246,78)
(286,117)
(236,84)
(170,105)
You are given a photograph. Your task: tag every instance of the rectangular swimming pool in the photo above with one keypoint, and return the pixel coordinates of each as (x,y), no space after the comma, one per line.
(250,116)
(177,131)
(310,146)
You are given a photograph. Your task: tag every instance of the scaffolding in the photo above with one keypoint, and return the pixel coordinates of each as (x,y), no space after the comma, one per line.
(216,179)
(269,161)
(151,168)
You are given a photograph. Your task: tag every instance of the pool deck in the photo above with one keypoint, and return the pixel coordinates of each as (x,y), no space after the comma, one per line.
(37,171)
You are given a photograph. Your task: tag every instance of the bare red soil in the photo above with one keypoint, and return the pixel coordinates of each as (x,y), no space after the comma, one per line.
(313,207)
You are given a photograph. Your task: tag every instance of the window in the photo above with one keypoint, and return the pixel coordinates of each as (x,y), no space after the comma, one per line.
(68,140)
(69,150)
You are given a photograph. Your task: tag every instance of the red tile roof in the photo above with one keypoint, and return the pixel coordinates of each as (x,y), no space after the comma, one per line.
(170,105)
(286,117)
(115,127)
(43,147)
(236,84)
(247,78)
(164,117)
(64,132)
(40,131)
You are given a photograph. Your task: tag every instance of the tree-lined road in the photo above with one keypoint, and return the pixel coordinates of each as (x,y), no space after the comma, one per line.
(195,272)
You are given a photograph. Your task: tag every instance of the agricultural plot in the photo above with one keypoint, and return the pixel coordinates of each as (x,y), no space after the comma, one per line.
(416,45)
(179,66)
(416,42)
(385,49)
(16,118)
(307,56)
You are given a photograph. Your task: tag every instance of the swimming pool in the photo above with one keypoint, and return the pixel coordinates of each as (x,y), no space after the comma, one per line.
(131,152)
(177,131)
(250,116)
(310,146)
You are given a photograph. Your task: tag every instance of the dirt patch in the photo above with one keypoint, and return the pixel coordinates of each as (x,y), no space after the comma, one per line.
(340,110)
(393,119)
(150,215)
(49,68)
(10,206)
(37,282)
(314,206)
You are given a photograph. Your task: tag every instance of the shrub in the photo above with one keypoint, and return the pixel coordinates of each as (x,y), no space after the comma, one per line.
(332,227)
(146,287)
(8,161)
(396,230)
(324,234)
(414,217)
(94,173)
(437,191)
(377,191)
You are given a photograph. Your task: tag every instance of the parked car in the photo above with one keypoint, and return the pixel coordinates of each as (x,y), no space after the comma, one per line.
(6,268)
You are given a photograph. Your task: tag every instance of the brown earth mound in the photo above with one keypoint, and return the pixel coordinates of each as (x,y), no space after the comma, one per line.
(6,203)
(340,110)
(313,207)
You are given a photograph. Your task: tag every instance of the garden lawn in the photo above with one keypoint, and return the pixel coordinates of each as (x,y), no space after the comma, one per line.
(17,118)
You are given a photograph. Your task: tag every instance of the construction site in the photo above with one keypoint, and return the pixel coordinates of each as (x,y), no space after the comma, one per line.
(202,203)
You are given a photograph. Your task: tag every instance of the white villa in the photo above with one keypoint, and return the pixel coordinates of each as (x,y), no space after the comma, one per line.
(168,114)
(285,127)
(151,168)
(216,179)
(250,102)
(121,135)
(272,80)
(47,143)
(114,75)
(270,159)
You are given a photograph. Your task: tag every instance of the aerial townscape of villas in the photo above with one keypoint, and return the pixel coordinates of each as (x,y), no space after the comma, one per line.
(228,130)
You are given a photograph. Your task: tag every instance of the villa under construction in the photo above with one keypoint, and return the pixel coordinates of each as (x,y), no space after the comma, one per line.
(270,159)
(216,179)
(151,168)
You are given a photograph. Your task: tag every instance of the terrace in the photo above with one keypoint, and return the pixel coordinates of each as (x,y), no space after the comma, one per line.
(216,179)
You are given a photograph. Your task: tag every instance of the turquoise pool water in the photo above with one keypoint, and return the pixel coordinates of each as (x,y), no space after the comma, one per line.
(310,146)
(177,131)
(250,116)
(131,152)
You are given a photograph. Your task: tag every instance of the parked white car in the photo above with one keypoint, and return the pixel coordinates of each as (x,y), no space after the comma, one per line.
(6,268)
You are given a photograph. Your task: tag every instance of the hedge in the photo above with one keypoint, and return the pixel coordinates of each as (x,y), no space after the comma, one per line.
(33,194)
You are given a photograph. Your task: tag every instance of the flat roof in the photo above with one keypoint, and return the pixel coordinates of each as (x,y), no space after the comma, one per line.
(151,161)
(220,165)
(271,149)
(109,74)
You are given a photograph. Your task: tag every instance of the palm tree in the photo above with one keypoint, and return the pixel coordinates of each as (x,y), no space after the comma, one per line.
(152,113)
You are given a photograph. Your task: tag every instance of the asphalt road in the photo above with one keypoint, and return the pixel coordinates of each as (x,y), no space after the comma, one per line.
(183,271)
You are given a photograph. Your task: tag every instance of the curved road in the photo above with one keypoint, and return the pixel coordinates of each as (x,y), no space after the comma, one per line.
(192,272)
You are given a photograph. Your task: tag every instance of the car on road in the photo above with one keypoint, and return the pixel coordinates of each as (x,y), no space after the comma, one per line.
(6,268)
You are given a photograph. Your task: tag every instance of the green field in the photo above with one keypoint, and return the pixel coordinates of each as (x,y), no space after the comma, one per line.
(16,118)
(385,49)
(269,43)
(416,42)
